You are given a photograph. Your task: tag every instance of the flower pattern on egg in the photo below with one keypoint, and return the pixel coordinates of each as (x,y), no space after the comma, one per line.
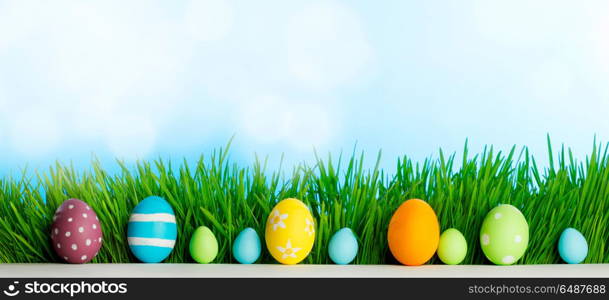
(288,251)
(309,228)
(277,219)
(290,231)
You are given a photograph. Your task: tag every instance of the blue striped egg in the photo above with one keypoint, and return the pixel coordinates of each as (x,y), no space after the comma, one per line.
(152,230)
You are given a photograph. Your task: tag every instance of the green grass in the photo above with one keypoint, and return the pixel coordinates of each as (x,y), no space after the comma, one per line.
(227,198)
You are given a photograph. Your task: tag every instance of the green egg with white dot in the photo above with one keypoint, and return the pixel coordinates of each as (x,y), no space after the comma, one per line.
(504,235)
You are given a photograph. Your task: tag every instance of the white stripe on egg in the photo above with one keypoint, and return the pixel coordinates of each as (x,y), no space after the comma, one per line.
(136,241)
(161,217)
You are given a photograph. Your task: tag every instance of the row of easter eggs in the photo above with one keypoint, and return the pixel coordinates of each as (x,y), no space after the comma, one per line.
(76,234)
(413,235)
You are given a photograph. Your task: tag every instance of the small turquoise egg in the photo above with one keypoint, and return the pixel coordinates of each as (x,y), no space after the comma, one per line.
(572,246)
(343,247)
(246,248)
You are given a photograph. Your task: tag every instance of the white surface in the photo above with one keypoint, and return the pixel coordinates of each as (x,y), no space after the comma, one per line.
(257,270)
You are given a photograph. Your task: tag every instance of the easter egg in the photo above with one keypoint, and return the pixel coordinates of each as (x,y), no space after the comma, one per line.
(572,246)
(504,236)
(203,245)
(413,233)
(343,247)
(452,247)
(247,248)
(76,233)
(290,231)
(152,230)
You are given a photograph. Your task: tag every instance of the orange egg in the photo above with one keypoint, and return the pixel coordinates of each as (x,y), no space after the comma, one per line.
(414,233)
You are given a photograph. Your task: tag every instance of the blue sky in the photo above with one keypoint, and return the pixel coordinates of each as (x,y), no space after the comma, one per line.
(143,79)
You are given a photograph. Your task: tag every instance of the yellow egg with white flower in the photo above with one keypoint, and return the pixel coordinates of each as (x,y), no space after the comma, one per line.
(290,231)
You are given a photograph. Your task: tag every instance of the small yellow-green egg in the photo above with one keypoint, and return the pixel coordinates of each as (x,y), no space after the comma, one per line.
(203,245)
(452,247)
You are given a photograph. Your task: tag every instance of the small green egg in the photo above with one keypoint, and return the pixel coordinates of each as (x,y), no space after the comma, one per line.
(203,245)
(452,247)
(504,235)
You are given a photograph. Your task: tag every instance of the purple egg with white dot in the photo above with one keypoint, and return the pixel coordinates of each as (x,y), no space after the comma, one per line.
(76,233)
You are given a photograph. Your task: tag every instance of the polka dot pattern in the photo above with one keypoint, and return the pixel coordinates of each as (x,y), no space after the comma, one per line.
(486,239)
(517,239)
(76,232)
